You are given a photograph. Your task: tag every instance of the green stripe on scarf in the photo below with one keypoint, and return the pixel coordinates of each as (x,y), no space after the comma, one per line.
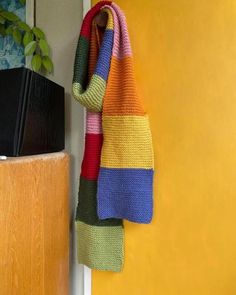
(93,249)
(87,206)
(81,62)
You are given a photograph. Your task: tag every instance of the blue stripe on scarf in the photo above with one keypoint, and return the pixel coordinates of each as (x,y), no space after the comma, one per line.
(125,190)
(103,63)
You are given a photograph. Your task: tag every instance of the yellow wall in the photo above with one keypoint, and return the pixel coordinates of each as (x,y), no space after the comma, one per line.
(185,60)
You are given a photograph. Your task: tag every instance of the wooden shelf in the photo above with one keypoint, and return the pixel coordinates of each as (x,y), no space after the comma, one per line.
(34,225)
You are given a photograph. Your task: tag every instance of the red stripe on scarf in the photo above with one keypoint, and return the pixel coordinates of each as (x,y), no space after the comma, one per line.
(86,26)
(92,153)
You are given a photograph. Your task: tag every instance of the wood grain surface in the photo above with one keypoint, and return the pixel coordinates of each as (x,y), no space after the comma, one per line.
(34,225)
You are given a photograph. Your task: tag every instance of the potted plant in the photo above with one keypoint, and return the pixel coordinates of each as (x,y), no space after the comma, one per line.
(31,38)
(31,105)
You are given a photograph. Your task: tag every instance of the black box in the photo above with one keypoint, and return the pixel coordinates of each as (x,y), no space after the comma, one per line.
(31,114)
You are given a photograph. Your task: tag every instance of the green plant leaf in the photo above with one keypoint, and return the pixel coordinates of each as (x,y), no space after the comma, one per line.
(22,2)
(17,36)
(36,62)
(43,45)
(2,20)
(23,26)
(28,37)
(2,30)
(33,40)
(47,63)
(30,48)
(9,30)
(9,16)
(38,33)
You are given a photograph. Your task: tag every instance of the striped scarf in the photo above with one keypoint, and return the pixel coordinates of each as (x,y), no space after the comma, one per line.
(117,170)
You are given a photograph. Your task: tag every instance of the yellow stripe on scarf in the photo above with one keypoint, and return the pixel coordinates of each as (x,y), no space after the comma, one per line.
(127,142)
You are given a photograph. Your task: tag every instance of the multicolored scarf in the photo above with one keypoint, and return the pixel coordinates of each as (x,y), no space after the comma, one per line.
(117,170)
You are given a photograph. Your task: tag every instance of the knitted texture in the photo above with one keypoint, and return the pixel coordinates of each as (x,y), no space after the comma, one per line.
(100,242)
(97,253)
(117,170)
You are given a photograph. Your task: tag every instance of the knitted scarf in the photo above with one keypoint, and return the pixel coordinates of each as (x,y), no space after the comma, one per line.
(117,170)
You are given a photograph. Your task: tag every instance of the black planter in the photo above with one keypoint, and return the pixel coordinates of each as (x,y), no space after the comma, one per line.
(31,114)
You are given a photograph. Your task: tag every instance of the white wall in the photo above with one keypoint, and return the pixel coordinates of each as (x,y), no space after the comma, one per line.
(61,22)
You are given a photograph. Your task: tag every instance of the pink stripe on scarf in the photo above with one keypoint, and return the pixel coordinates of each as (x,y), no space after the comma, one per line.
(94,123)
(122,46)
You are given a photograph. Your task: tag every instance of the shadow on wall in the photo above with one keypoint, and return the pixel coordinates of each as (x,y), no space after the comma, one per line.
(75,160)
